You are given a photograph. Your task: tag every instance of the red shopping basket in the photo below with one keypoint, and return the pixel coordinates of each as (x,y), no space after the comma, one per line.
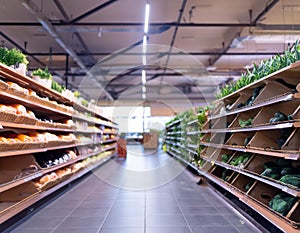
(122,151)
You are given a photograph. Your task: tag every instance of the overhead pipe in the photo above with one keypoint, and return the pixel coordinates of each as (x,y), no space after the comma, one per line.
(52,31)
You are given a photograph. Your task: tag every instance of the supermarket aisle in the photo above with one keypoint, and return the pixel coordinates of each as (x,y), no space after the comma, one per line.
(180,206)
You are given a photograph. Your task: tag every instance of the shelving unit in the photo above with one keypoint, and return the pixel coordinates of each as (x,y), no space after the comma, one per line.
(263,142)
(21,168)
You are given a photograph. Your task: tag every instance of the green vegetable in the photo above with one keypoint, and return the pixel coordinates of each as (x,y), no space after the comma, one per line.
(278,116)
(240,160)
(247,140)
(225,157)
(248,185)
(282,203)
(12,56)
(244,123)
(56,86)
(261,70)
(291,179)
(273,173)
(226,174)
(42,73)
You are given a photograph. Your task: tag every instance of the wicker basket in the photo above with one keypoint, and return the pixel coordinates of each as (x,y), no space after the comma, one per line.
(11,146)
(33,145)
(3,86)
(25,120)
(8,117)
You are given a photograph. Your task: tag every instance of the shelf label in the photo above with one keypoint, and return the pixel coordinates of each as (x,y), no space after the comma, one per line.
(293,156)
(33,176)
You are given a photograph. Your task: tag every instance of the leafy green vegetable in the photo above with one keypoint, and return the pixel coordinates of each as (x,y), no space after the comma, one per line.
(291,179)
(248,185)
(244,123)
(282,203)
(12,56)
(42,73)
(225,157)
(240,160)
(263,69)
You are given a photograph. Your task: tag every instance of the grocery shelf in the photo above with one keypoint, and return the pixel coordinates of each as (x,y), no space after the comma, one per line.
(193,133)
(173,123)
(278,185)
(27,82)
(282,154)
(184,161)
(282,98)
(295,66)
(259,208)
(192,122)
(9,211)
(14,183)
(254,128)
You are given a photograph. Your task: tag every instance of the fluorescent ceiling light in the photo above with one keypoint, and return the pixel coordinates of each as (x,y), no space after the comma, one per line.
(143,76)
(143,89)
(147,12)
(144,96)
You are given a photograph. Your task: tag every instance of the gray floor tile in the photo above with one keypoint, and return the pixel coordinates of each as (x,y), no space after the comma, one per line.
(226,210)
(90,212)
(163,229)
(196,210)
(77,230)
(124,221)
(236,219)
(157,209)
(192,202)
(214,229)
(206,220)
(165,220)
(42,222)
(30,230)
(53,212)
(95,203)
(122,230)
(125,211)
(81,222)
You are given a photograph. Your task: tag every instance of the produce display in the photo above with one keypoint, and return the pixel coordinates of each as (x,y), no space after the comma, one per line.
(259,165)
(282,203)
(38,146)
(265,68)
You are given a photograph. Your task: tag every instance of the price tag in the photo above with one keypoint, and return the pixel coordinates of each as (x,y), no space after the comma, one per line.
(284,189)
(293,156)
(212,163)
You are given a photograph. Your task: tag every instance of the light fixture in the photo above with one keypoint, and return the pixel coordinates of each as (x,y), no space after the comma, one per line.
(144,60)
(143,89)
(147,12)
(144,96)
(143,77)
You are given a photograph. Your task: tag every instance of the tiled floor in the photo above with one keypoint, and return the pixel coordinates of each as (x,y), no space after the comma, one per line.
(178,206)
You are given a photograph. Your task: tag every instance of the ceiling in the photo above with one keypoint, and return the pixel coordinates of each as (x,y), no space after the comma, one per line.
(96,45)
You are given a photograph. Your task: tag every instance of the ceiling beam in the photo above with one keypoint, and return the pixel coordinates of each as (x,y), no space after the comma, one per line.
(52,31)
(165,53)
(130,24)
(92,11)
(66,17)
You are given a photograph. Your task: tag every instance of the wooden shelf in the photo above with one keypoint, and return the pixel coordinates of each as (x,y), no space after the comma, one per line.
(263,211)
(15,208)
(255,128)
(192,122)
(283,98)
(14,183)
(29,83)
(193,133)
(282,154)
(173,123)
(294,66)
(278,185)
